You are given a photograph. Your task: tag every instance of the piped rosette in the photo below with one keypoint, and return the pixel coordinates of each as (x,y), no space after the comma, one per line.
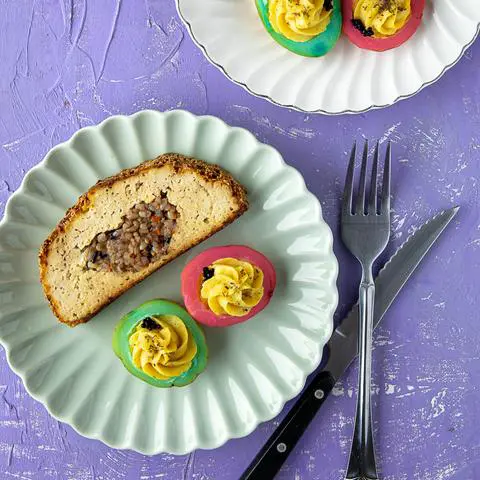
(227,285)
(161,344)
(381,25)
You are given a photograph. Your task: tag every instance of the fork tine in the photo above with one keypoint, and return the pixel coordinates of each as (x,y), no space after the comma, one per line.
(372,202)
(360,208)
(348,190)
(385,205)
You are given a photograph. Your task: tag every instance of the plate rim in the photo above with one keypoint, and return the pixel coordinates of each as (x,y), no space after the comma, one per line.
(321,111)
(218,442)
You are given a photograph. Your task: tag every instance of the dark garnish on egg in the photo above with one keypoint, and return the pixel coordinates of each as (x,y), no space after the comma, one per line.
(208,273)
(366,32)
(328,5)
(150,324)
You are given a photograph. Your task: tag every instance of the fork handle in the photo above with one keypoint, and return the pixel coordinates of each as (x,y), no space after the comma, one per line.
(362,456)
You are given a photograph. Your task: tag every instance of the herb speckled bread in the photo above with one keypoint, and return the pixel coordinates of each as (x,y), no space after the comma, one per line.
(205,198)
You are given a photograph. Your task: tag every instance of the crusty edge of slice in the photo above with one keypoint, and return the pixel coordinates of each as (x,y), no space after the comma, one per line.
(209,172)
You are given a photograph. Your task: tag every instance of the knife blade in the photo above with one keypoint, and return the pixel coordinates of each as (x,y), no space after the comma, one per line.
(343,348)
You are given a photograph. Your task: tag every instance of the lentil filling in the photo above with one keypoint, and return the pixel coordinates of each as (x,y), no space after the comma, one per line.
(142,238)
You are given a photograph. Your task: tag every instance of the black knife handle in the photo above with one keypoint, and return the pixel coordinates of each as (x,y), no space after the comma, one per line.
(283,440)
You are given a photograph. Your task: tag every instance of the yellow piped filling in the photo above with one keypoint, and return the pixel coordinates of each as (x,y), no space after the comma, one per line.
(165,349)
(234,289)
(384,17)
(299,20)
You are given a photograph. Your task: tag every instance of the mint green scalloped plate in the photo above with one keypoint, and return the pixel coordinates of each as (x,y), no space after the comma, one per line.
(253,368)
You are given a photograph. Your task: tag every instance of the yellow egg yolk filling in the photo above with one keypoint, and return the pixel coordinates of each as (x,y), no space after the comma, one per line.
(234,288)
(299,20)
(163,350)
(384,17)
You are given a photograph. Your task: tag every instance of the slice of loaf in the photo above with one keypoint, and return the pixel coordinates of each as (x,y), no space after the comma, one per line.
(100,248)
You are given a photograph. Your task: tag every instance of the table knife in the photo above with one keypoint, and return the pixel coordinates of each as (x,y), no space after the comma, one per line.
(342,348)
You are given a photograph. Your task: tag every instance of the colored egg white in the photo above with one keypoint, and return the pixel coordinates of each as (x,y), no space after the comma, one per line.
(317,46)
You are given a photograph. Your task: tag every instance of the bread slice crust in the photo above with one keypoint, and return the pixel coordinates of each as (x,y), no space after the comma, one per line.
(209,173)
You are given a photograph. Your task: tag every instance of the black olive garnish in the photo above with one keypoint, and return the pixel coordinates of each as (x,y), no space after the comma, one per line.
(328,5)
(366,32)
(208,273)
(150,324)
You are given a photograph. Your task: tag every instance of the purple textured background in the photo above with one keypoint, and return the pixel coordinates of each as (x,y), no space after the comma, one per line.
(66,64)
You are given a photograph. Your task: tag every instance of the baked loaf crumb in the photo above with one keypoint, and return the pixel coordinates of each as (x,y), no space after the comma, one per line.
(198,199)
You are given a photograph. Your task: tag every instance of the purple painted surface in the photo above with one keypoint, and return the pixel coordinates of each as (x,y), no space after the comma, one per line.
(71,63)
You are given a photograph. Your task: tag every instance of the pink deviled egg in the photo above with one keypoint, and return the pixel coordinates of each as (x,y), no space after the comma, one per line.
(226,285)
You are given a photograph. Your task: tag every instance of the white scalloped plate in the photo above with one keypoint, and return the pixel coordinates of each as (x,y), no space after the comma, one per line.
(254,368)
(347,79)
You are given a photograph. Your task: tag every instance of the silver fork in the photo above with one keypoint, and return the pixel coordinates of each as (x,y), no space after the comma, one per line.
(365,232)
